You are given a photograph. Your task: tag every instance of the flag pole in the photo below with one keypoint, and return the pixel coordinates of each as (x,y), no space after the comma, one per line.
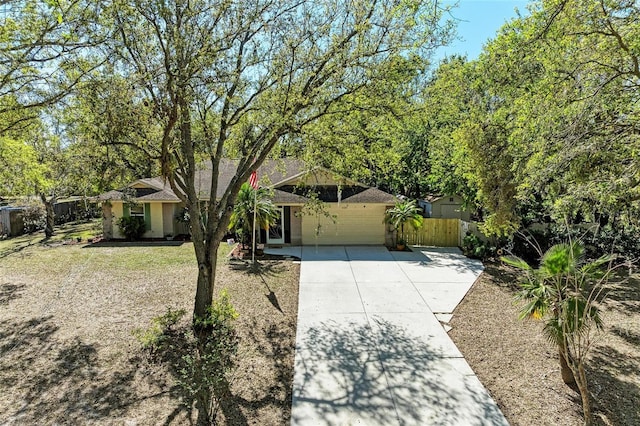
(254,246)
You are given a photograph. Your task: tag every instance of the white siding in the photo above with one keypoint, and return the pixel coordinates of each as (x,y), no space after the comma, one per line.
(355,224)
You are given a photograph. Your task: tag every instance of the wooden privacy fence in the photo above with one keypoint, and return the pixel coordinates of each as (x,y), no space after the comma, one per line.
(435,232)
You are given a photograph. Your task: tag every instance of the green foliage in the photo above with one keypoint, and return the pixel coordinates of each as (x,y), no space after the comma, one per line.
(476,248)
(545,122)
(565,291)
(221,314)
(33,216)
(404,212)
(203,362)
(132,227)
(560,289)
(205,369)
(155,337)
(19,167)
(248,201)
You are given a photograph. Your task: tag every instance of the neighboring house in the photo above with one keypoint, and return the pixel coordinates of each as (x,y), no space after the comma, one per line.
(356,211)
(444,207)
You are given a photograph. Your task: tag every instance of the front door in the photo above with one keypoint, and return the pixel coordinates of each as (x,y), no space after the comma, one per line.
(275,235)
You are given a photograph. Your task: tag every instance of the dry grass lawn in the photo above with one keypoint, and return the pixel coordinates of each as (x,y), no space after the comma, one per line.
(520,368)
(67,311)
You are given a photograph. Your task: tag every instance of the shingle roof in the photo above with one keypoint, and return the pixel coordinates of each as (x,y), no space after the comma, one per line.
(282,197)
(272,171)
(371,195)
(111,195)
(164,195)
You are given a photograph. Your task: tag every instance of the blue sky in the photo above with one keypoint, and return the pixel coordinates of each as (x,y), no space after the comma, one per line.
(478,21)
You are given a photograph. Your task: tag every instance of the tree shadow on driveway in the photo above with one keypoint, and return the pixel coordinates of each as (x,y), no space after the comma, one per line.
(352,372)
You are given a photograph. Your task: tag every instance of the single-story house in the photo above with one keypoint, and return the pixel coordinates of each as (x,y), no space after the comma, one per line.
(356,211)
(444,207)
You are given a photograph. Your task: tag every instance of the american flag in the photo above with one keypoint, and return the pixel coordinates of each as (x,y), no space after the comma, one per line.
(253,179)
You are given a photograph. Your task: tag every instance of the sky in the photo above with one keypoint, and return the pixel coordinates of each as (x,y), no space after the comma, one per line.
(478,21)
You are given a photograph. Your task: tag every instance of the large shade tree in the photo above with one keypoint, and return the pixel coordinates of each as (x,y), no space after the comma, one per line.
(234,77)
(45,53)
(545,123)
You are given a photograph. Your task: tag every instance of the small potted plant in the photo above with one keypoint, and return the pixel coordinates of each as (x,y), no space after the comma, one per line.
(401,244)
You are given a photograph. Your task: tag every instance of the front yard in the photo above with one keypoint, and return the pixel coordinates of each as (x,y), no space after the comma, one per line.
(67,312)
(68,356)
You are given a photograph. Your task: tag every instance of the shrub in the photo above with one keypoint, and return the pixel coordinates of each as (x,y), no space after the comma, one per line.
(202,363)
(154,337)
(206,369)
(529,244)
(132,227)
(33,216)
(476,248)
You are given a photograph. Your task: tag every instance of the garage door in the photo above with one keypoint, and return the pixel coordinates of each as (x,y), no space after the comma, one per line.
(354,224)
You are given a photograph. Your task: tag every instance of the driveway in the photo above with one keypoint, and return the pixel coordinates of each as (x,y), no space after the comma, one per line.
(369,348)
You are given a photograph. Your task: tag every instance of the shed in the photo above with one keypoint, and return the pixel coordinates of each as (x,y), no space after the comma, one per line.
(444,207)
(11,223)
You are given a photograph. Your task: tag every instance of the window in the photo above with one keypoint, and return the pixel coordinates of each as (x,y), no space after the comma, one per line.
(137,211)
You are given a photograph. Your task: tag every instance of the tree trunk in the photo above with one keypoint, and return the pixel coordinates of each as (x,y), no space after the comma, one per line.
(584,394)
(49,216)
(565,370)
(206,280)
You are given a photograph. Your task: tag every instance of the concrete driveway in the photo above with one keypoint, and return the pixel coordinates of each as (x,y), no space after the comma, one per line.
(369,348)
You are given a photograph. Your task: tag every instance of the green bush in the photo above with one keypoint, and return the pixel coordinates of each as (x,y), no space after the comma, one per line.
(476,248)
(33,216)
(154,337)
(203,362)
(205,370)
(132,227)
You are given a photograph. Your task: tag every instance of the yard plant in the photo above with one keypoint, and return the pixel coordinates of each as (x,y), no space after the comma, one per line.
(564,292)
(404,212)
(132,227)
(248,201)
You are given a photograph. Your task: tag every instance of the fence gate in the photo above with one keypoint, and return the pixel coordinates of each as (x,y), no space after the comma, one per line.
(435,232)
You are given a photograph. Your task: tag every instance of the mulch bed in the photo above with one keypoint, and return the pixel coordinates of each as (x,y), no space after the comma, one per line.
(519,367)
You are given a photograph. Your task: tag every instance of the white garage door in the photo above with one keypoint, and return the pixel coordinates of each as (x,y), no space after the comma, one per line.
(354,224)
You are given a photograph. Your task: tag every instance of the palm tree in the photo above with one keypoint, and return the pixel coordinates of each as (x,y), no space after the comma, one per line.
(401,213)
(562,292)
(242,217)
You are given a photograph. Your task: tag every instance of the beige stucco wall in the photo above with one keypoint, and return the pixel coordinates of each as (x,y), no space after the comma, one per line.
(168,212)
(296,225)
(116,211)
(157,220)
(156,230)
(355,224)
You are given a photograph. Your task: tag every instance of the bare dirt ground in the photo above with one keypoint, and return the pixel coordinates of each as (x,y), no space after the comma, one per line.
(67,354)
(520,367)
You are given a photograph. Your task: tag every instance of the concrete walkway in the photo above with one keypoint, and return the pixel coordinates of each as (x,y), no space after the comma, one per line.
(369,349)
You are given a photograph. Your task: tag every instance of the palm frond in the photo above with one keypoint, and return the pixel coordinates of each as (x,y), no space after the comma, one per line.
(516,262)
